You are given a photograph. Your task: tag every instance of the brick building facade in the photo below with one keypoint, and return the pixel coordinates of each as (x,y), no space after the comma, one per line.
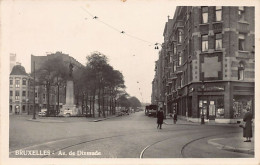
(208,63)
(41,91)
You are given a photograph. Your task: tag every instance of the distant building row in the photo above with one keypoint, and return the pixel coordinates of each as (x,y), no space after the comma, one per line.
(207,63)
(21,96)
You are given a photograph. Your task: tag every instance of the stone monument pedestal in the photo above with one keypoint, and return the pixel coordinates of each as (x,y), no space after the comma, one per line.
(69,109)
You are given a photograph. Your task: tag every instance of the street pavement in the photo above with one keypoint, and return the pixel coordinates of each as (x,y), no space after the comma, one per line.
(129,136)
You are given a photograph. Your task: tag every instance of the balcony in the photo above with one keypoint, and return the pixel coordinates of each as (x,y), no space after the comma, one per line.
(243,27)
(217,26)
(204,28)
(244,54)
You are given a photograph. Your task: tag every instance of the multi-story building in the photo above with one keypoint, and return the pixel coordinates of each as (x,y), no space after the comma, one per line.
(41,90)
(208,62)
(21,93)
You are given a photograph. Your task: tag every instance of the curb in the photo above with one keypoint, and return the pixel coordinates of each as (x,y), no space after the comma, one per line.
(52,121)
(198,124)
(229,148)
(182,124)
(103,119)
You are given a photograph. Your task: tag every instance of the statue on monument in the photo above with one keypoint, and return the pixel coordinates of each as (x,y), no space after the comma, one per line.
(71,69)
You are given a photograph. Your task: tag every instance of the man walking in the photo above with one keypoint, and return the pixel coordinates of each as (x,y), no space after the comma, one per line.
(174,117)
(160,118)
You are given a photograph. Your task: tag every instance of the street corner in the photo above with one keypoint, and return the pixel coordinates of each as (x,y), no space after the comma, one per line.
(232,144)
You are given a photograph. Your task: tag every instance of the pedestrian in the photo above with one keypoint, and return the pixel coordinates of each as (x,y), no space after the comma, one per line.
(160,117)
(247,130)
(174,117)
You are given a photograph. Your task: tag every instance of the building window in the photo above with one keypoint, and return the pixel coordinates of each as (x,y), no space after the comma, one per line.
(17,83)
(218,13)
(174,67)
(218,41)
(17,95)
(174,50)
(205,14)
(182,80)
(179,59)
(241,69)
(11,82)
(241,12)
(204,43)
(180,36)
(24,93)
(24,82)
(241,42)
(11,93)
(36,94)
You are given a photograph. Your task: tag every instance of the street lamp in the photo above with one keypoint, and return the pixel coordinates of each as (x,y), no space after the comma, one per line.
(202,110)
(27,102)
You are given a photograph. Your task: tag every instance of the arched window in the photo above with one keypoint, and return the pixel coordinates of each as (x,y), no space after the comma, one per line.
(241,69)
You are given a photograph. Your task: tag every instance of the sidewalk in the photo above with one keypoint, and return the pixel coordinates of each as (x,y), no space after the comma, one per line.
(234,144)
(169,121)
(68,119)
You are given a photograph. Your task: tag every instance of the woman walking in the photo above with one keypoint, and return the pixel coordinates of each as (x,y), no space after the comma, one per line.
(247,130)
(160,118)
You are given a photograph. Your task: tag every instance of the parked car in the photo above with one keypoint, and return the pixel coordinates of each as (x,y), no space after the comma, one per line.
(43,112)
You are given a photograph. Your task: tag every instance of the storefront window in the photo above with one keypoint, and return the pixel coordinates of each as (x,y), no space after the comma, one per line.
(220,108)
(212,107)
(240,104)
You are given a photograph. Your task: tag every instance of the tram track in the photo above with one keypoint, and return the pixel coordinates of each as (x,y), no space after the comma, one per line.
(127,134)
(184,146)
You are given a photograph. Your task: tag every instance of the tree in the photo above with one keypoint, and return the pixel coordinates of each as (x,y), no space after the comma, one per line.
(95,64)
(134,102)
(106,81)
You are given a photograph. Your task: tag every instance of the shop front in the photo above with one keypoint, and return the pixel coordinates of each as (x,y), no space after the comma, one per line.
(211,107)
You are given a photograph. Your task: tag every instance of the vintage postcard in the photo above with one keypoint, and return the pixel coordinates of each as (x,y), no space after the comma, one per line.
(129,82)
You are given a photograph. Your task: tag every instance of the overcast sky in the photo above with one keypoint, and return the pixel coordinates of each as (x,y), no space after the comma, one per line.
(37,27)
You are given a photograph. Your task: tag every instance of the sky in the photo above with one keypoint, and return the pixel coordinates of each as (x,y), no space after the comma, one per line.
(40,27)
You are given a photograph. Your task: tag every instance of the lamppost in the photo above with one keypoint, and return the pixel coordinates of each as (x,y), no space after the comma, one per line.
(27,103)
(202,110)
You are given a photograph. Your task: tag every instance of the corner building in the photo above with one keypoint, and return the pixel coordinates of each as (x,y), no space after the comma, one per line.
(209,60)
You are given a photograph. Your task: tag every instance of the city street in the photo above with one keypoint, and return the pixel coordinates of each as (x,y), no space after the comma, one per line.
(130,136)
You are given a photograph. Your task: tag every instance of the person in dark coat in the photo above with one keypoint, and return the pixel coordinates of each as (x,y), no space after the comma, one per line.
(160,117)
(247,130)
(174,117)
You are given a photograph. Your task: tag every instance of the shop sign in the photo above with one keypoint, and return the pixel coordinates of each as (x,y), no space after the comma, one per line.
(212,88)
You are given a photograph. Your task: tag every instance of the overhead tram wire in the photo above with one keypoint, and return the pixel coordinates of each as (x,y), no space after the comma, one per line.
(120,31)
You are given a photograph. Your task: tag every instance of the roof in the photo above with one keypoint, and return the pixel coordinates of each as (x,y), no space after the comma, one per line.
(18,70)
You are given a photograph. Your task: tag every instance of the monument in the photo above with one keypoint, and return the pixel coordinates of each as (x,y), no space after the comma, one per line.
(69,109)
